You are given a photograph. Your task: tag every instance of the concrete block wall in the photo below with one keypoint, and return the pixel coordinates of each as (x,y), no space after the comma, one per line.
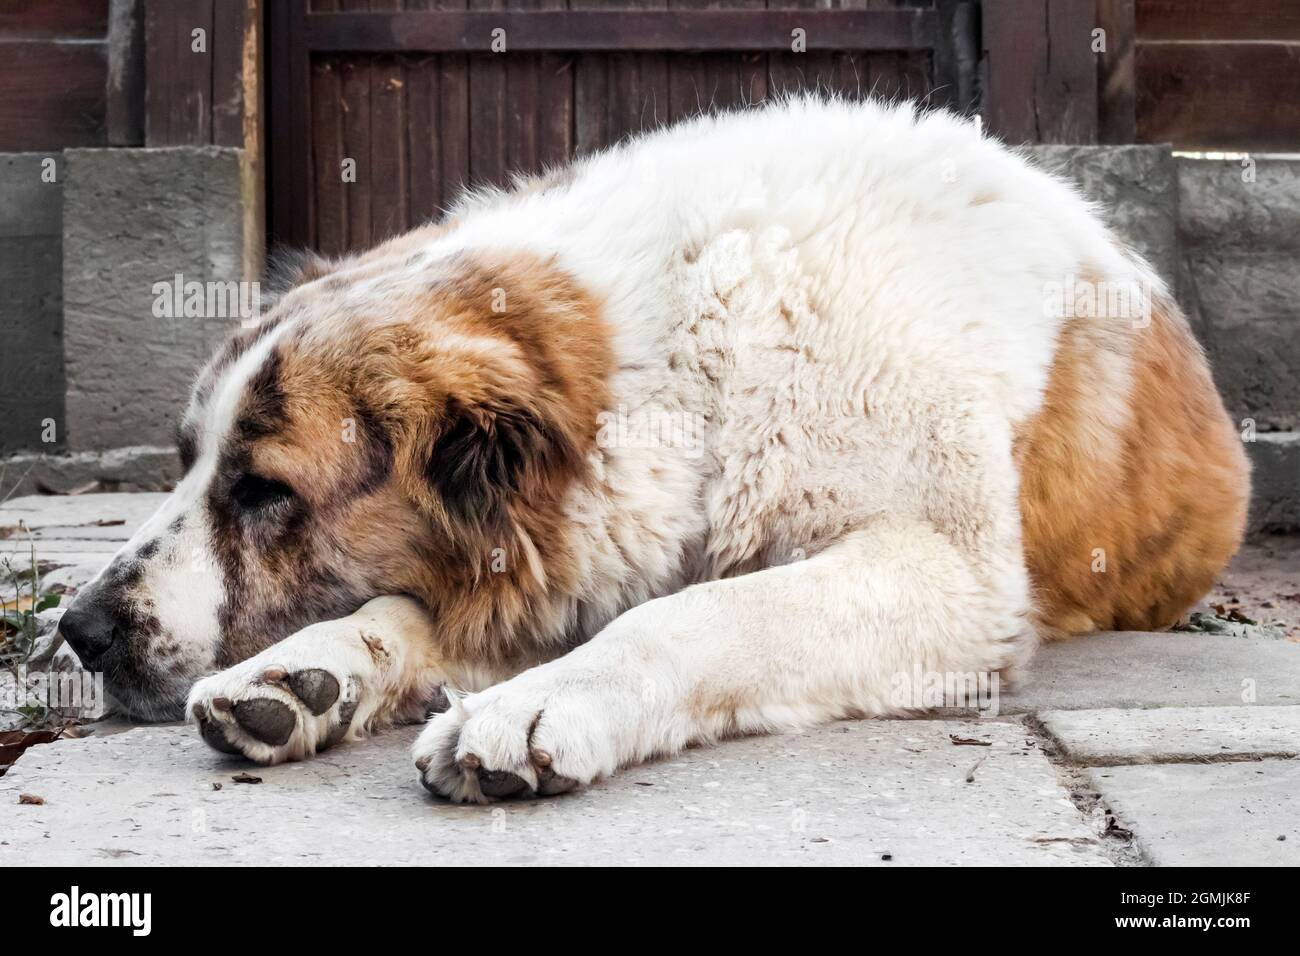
(1239,240)
(31,307)
(1239,235)
(134,218)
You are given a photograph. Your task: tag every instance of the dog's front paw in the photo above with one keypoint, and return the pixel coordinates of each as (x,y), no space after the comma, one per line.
(271,712)
(513,740)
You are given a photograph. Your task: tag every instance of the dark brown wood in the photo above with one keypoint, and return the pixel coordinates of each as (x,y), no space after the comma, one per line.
(425,109)
(1219,96)
(955,60)
(388,143)
(329,193)
(124,105)
(236,72)
(1116,80)
(51,95)
(53,19)
(1041,75)
(291,211)
(680,30)
(1218,20)
(178,78)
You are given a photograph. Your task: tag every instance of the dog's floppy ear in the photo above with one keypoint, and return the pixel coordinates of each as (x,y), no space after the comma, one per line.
(287,268)
(490,452)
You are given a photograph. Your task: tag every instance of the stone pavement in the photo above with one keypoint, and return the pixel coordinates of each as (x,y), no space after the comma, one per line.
(1117,749)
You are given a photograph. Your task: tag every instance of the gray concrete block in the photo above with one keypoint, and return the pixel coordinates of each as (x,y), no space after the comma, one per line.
(1137,188)
(142,468)
(1103,738)
(1239,244)
(1219,814)
(31,307)
(134,218)
(1275,492)
(843,794)
(1135,669)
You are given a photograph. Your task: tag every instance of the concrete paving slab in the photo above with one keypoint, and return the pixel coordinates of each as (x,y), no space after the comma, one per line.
(1174,734)
(1223,814)
(70,511)
(59,551)
(1141,670)
(849,793)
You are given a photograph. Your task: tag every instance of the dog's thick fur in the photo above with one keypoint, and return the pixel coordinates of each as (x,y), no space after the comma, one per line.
(719,431)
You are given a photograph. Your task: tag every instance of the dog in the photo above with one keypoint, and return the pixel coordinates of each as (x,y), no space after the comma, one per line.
(715,432)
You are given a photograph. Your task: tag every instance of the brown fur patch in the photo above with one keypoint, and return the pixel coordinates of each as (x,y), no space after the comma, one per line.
(431,420)
(1154,482)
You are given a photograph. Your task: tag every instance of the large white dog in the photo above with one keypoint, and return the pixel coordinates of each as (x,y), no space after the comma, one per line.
(719,431)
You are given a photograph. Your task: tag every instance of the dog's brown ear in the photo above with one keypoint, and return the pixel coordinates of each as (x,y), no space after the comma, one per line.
(286,269)
(487,454)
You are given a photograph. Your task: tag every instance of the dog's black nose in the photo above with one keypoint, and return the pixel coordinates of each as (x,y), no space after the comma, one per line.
(90,629)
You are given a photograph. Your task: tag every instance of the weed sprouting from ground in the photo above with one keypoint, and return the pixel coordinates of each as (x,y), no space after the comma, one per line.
(20,630)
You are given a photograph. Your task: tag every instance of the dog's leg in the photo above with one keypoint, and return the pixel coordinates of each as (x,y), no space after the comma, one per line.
(781,648)
(330,681)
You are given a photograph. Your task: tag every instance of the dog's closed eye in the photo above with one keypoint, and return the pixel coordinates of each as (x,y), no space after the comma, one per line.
(254,493)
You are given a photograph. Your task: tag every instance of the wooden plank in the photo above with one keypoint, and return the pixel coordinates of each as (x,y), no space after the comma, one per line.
(178,78)
(355,106)
(591,101)
(522,106)
(453,118)
(389,190)
(1219,96)
(1040,73)
(424,192)
(682,30)
(124,106)
(1116,80)
(555,86)
(487,99)
(329,195)
(1217,20)
(54,20)
(51,95)
(297,123)
(236,73)
(954,66)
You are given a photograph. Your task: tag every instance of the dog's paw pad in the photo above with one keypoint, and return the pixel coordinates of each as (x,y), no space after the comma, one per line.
(266,720)
(213,733)
(498,784)
(317,688)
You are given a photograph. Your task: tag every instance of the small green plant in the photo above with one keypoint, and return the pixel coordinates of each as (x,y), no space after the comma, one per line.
(21,630)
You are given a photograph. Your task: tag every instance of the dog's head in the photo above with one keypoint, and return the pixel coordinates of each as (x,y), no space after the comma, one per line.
(395,424)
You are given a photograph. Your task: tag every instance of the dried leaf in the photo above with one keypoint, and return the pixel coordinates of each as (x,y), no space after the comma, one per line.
(31,799)
(245,778)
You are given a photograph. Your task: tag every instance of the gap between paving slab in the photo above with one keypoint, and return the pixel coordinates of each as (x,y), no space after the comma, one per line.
(1103,738)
